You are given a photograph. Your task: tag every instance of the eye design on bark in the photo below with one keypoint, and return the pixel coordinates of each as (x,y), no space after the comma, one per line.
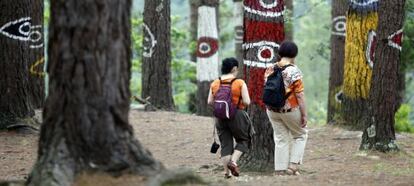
(339,26)
(370,50)
(18,29)
(395,39)
(36,37)
(339,97)
(261,54)
(206,47)
(149,42)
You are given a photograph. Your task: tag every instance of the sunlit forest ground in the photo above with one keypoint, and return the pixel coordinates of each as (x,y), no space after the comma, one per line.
(182,141)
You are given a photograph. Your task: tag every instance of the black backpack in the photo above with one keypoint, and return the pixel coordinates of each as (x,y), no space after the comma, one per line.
(274,89)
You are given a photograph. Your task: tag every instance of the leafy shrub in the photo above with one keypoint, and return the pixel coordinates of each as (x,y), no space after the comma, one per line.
(402,119)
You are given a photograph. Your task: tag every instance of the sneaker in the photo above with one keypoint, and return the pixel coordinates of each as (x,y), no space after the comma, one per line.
(227,176)
(233,168)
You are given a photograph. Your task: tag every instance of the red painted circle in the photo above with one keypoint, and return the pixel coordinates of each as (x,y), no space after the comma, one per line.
(266,53)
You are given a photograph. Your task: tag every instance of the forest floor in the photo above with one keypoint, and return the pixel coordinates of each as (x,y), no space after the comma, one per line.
(183,141)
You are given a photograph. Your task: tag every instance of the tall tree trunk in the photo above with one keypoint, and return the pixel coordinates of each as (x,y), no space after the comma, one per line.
(361,23)
(16,55)
(289,24)
(207,52)
(379,133)
(156,62)
(336,71)
(238,34)
(263,32)
(194,4)
(36,78)
(86,125)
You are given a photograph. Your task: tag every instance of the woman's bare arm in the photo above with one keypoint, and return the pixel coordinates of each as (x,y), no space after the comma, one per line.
(245,95)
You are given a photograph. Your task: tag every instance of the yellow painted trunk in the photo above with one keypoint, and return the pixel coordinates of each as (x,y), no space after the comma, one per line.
(357,73)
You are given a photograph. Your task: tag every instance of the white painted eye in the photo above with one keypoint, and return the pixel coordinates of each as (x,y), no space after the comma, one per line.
(339,26)
(18,29)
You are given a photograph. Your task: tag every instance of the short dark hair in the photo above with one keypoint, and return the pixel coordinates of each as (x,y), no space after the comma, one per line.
(288,49)
(228,65)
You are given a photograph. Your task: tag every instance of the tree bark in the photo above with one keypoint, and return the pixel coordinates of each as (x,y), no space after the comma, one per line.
(37,60)
(289,24)
(86,125)
(262,34)
(338,12)
(16,55)
(238,35)
(194,4)
(207,52)
(379,133)
(156,62)
(361,23)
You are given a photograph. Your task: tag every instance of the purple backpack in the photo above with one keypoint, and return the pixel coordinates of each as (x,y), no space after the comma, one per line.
(223,106)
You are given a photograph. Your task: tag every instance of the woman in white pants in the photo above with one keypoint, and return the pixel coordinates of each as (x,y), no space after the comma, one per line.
(289,122)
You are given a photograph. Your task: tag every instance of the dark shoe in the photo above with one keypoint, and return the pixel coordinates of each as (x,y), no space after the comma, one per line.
(233,168)
(227,176)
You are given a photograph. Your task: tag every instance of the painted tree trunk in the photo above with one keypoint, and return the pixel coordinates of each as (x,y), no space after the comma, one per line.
(336,72)
(156,62)
(263,32)
(36,78)
(379,133)
(16,54)
(361,23)
(238,34)
(86,125)
(207,53)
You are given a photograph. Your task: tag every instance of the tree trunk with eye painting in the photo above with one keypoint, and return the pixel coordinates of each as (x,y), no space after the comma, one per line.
(206,52)
(336,71)
(379,132)
(263,32)
(86,127)
(361,25)
(21,46)
(37,60)
(156,61)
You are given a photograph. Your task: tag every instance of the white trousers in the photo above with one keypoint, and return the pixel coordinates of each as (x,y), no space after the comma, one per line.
(287,127)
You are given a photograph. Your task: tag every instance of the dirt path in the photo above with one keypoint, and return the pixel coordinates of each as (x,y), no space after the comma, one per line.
(183,141)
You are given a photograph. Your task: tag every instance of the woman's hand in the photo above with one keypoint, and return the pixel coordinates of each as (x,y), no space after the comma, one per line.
(269,71)
(303,121)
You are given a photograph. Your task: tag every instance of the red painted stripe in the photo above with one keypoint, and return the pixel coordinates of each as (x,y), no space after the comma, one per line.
(256,84)
(259,31)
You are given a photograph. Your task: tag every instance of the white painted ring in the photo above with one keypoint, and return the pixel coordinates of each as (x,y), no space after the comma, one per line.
(204,44)
(35,36)
(261,49)
(26,33)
